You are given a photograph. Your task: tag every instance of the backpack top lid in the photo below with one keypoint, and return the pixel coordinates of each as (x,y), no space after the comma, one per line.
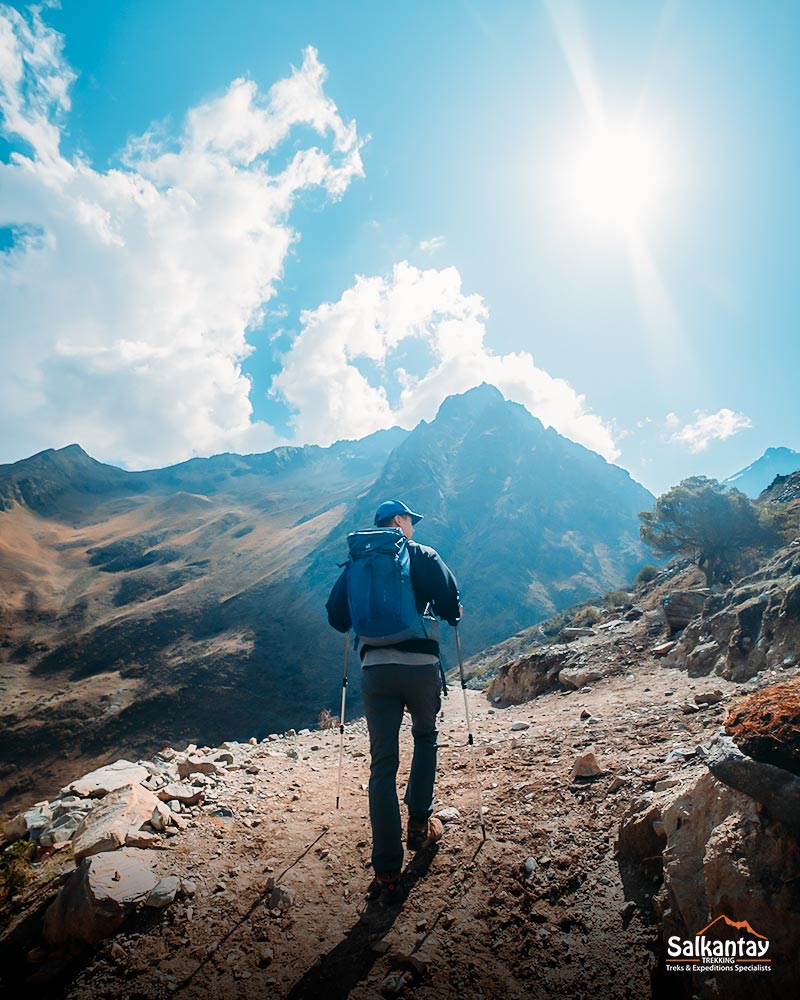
(372,540)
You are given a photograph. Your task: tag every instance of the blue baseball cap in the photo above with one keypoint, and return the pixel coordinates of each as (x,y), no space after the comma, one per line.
(391,507)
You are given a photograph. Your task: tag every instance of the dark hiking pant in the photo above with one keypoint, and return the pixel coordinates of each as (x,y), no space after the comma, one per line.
(386,689)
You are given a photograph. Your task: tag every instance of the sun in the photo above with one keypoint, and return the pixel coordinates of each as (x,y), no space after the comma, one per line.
(615,178)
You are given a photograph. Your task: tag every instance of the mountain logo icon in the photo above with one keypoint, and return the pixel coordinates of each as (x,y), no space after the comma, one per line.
(733,924)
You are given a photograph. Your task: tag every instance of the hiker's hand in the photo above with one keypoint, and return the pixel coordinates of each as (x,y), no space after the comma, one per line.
(460,612)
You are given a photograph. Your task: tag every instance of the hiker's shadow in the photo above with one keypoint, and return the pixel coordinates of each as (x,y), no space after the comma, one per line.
(334,975)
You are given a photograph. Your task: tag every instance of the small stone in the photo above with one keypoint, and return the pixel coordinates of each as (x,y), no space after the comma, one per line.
(586,766)
(264,954)
(530,865)
(585,714)
(709,697)
(519,725)
(449,814)
(118,953)
(628,910)
(663,649)
(188,887)
(282,898)
(164,892)
(253,741)
(394,983)
(380,947)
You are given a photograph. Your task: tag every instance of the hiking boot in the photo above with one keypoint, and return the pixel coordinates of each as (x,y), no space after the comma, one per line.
(386,886)
(424,833)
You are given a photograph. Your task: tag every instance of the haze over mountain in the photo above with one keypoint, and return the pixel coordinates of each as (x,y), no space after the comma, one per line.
(757,476)
(188,602)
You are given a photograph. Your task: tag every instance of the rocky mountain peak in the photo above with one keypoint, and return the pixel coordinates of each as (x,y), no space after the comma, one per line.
(756,477)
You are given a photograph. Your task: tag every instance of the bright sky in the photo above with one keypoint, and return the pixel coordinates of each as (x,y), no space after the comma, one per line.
(227,227)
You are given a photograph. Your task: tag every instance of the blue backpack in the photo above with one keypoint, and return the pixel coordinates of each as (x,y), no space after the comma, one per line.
(383,609)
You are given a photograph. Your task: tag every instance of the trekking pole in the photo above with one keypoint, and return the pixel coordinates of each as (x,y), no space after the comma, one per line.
(341,717)
(470,740)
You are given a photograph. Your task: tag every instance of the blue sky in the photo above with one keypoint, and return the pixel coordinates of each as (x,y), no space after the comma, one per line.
(592,205)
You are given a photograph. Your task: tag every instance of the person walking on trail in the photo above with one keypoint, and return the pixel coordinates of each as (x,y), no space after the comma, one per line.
(388,593)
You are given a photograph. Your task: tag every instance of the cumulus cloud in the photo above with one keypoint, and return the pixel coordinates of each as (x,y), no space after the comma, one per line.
(709,427)
(342,377)
(128,294)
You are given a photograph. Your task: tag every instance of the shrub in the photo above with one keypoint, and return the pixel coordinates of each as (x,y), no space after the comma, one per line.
(616,598)
(645,575)
(15,868)
(587,616)
(326,720)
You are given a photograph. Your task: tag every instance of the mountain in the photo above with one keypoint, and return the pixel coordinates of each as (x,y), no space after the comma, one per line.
(187,603)
(757,476)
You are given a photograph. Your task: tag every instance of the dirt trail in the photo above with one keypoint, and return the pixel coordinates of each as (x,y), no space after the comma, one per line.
(482,925)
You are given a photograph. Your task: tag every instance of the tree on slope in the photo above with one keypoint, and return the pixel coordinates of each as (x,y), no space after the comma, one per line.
(719,528)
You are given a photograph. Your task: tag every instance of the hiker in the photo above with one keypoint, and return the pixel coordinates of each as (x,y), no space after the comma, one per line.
(398,672)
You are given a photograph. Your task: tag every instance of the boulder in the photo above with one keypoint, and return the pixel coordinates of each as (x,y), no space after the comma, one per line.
(162,817)
(97,897)
(765,725)
(30,823)
(586,766)
(722,859)
(570,632)
(774,787)
(187,794)
(60,831)
(108,779)
(578,677)
(107,827)
(197,765)
(681,606)
(640,843)
(526,678)
(164,892)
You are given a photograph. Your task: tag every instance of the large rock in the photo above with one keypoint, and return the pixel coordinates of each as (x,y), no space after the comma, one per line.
(197,765)
(109,779)
(107,827)
(180,792)
(61,831)
(766,725)
(578,677)
(30,823)
(523,679)
(97,897)
(753,626)
(681,606)
(774,787)
(723,858)
(640,843)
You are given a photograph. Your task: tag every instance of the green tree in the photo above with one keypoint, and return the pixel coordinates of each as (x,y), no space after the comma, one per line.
(719,528)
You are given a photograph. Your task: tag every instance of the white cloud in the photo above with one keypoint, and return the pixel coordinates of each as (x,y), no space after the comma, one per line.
(125,314)
(332,398)
(432,245)
(709,427)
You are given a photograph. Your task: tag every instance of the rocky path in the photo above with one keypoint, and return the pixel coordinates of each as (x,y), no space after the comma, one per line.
(273,877)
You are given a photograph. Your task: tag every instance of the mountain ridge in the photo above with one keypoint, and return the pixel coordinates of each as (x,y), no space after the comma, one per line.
(757,477)
(188,603)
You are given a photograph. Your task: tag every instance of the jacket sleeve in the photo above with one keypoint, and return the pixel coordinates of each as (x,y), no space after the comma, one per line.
(337,607)
(434,583)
